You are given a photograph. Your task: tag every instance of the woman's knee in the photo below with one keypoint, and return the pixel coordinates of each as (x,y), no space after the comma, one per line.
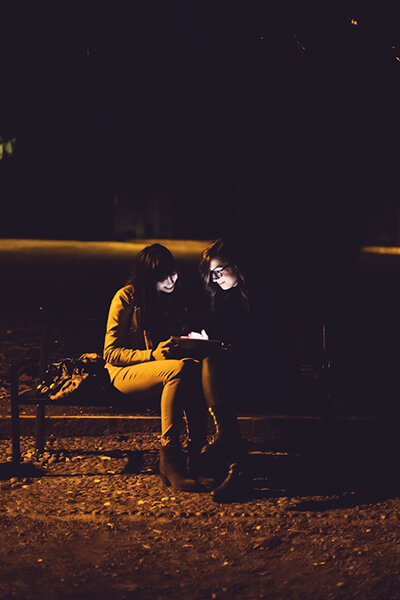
(212,365)
(187,369)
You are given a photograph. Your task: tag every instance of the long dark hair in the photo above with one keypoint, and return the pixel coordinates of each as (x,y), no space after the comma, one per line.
(225,251)
(153,263)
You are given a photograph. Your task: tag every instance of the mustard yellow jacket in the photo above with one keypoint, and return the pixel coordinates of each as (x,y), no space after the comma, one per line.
(126,342)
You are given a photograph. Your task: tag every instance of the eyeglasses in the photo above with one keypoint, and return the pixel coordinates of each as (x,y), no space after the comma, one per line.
(217,272)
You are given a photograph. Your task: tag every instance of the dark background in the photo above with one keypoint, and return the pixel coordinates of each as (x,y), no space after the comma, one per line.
(228,111)
(276,123)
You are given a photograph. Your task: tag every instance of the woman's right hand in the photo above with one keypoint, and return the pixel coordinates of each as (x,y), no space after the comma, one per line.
(164,349)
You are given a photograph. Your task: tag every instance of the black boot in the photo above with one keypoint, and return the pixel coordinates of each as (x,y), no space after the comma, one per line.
(228,456)
(196,428)
(228,444)
(235,488)
(199,468)
(173,470)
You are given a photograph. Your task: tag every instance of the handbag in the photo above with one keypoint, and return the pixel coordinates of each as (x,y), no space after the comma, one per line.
(84,378)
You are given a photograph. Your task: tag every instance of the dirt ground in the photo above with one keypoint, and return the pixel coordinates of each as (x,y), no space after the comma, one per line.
(89,518)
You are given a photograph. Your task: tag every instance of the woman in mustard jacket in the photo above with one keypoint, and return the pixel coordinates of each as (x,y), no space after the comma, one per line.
(142,358)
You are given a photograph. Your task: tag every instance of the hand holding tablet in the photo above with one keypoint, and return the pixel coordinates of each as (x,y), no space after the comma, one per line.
(198,345)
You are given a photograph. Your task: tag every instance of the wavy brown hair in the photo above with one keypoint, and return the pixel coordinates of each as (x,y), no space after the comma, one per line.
(224,251)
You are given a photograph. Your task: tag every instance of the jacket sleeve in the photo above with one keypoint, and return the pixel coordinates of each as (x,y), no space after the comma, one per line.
(116,350)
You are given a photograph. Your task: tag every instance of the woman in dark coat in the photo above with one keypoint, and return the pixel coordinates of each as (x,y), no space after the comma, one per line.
(225,375)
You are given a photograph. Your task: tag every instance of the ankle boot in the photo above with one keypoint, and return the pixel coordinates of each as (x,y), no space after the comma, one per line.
(199,468)
(227,443)
(235,488)
(173,470)
(196,428)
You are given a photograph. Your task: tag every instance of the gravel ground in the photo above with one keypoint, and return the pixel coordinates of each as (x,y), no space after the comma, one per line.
(89,518)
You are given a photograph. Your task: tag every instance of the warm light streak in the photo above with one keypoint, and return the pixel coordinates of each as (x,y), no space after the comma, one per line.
(354,22)
(394,250)
(59,248)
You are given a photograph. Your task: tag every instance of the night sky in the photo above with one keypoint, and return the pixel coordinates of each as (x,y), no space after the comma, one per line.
(231,111)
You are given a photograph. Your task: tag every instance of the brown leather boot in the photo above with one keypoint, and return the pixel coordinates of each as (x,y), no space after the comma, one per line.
(173,470)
